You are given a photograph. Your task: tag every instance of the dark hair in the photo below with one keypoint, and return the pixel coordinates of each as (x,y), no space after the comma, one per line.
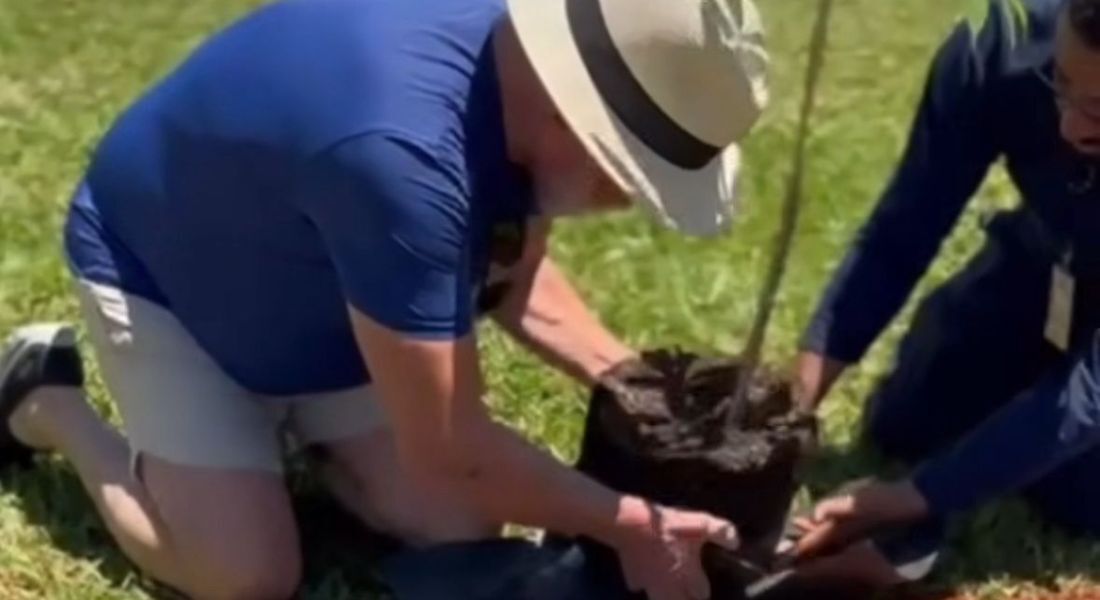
(1084,16)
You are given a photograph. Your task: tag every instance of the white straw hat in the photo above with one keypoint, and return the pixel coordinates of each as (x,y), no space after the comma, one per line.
(659,91)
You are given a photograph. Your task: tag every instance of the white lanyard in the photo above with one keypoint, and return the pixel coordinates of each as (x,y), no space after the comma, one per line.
(1063,286)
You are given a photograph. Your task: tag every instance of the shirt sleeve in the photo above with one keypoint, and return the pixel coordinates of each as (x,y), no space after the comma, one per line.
(950,150)
(1056,421)
(395,225)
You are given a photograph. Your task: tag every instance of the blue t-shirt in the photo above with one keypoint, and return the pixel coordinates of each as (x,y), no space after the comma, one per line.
(316,153)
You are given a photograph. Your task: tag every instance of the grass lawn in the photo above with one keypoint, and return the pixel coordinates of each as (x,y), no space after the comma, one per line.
(68,66)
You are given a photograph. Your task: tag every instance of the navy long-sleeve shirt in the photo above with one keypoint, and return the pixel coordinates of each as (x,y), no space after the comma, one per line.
(985,100)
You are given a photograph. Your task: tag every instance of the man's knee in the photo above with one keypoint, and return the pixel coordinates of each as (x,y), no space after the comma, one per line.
(232,532)
(1074,522)
(258,574)
(1070,496)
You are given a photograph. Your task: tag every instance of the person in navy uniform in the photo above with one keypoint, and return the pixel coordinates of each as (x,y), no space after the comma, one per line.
(996,390)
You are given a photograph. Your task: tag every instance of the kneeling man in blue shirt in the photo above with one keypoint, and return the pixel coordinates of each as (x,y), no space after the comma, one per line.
(291,236)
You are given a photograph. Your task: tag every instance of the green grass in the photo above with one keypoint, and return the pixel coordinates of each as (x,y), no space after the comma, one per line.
(68,66)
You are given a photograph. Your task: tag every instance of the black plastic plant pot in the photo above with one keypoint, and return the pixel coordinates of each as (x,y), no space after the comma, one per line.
(666,429)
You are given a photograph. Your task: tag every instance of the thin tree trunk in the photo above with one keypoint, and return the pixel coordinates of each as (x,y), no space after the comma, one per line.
(792,205)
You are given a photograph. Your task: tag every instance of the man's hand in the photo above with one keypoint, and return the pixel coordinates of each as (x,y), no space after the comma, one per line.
(660,549)
(815,376)
(859,567)
(853,515)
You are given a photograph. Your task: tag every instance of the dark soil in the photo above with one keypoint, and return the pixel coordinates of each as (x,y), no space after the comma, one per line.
(665,428)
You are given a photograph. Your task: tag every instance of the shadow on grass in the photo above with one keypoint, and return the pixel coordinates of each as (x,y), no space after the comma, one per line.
(339,552)
(1005,541)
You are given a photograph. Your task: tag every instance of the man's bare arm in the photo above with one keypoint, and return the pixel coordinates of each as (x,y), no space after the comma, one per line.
(432,391)
(816,374)
(546,314)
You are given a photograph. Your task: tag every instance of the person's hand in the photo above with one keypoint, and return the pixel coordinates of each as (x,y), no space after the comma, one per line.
(660,549)
(834,549)
(626,370)
(860,570)
(814,377)
(854,514)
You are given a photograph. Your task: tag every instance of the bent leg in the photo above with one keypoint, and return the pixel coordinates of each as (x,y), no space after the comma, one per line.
(1070,496)
(973,346)
(231,531)
(207,512)
(212,533)
(60,419)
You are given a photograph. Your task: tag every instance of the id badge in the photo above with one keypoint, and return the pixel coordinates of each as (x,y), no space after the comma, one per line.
(1060,311)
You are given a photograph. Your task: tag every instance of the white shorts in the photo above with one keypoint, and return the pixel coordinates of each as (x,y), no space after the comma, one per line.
(178,405)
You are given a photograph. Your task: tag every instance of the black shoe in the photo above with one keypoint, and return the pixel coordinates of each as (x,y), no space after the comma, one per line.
(34,356)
